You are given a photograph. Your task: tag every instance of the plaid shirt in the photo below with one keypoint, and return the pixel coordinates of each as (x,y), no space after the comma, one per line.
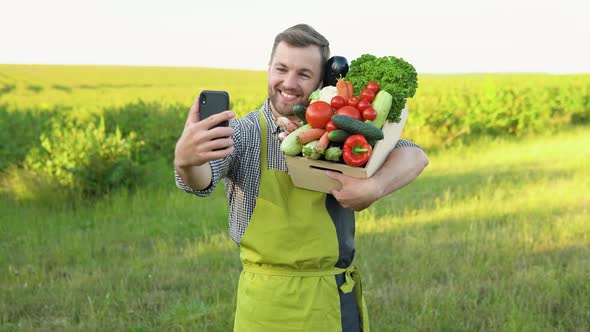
(241,170)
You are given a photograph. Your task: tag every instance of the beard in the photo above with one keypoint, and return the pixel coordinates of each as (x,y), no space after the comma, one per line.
(284,108)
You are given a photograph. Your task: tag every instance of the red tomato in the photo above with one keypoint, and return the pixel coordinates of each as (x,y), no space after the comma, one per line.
(368,95)
(337,102)
(373,86)
(350,111)
(318,114)
(331,126)
(363,105)
(369,114)
(353,101)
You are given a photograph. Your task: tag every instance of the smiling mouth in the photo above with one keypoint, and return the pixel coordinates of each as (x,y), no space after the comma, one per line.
(288,96)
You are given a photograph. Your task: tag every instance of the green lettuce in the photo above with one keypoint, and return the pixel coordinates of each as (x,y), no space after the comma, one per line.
(394,75)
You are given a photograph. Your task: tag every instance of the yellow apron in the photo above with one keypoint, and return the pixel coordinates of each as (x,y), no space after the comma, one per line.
(297,256)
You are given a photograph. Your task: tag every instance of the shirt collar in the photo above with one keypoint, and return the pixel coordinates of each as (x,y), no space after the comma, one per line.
(270,118)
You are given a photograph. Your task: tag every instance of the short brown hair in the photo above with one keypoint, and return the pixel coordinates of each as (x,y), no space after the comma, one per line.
(303,35)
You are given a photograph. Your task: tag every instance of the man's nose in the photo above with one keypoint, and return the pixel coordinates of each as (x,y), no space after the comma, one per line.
(291,80)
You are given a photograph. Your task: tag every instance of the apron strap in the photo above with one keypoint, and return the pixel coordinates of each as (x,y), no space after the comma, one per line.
(263,142)
(351,273)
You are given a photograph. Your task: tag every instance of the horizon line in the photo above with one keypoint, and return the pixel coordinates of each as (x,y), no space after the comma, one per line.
(263,70)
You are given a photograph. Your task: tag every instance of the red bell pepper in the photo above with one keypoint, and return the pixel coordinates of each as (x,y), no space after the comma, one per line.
(356,150)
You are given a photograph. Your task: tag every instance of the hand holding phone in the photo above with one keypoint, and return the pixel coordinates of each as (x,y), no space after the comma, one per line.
(205,139)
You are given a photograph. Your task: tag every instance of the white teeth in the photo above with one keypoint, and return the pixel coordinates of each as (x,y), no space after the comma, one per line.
(286,95)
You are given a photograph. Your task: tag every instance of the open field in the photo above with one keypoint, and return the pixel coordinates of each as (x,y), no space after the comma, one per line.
(493,236)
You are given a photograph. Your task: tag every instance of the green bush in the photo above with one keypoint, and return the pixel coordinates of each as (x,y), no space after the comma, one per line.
(448,109)
(20,131)
(85,158)
(159,125)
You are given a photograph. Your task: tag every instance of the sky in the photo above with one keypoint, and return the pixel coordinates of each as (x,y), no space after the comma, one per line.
(436,36)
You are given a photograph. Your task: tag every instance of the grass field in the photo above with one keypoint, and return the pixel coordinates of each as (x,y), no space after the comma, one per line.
(493,236)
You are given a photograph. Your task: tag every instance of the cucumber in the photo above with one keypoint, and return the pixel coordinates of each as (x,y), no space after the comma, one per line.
(290,146)
(299,110)
(381,104)
(357,127)
(338,135)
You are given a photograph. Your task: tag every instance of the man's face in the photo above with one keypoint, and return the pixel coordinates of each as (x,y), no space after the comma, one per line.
(293,75)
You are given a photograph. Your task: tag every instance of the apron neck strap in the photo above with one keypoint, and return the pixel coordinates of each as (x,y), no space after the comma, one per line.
(263,140)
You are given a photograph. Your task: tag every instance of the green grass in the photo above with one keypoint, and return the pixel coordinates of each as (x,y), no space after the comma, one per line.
(493,235)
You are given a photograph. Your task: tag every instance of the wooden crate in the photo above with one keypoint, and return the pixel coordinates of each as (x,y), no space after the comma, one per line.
(310,174)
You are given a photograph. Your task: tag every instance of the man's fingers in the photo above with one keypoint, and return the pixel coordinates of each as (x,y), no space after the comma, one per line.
(218,144)
(216,133)
(216,119)
(193,113)
(338,178)
(219,154)
(335,176)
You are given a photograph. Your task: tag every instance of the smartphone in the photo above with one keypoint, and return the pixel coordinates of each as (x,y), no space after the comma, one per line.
(213,102)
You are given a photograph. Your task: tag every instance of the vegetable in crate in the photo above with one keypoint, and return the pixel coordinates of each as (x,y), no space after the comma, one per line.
(356,151)
(318,114)
(286,124)
(338,135)
(324,94)
(323,143)
(381,105)
(336,68)
(299,110)
(393,75)
(290,145)
(357,127)
(308,150)
(333,154)
(312,134)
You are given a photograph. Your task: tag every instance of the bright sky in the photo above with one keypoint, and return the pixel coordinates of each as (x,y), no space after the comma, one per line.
(436,36)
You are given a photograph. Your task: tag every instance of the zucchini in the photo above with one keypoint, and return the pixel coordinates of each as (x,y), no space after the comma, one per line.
(381,104)
(333,154)
(357,127)
(338,135)
(299,110)
(290,146)
(309,150)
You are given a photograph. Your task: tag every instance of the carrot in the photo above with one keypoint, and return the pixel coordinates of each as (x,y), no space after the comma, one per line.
(342,89)
(309,135)
(322,143)
(350,89)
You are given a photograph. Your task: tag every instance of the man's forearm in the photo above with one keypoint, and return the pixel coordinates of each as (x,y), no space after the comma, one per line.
(401,167)
(196,177)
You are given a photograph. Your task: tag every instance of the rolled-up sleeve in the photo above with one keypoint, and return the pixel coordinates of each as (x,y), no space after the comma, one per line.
(220,168)
(405,143)
(217,167)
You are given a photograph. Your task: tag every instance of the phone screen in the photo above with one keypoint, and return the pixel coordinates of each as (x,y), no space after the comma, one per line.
(213,102)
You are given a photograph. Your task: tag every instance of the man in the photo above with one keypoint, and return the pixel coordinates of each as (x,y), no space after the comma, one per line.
(296,245)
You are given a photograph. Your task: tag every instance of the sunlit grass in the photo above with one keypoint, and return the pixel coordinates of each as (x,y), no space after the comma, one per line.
(91,89)
(493,236)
